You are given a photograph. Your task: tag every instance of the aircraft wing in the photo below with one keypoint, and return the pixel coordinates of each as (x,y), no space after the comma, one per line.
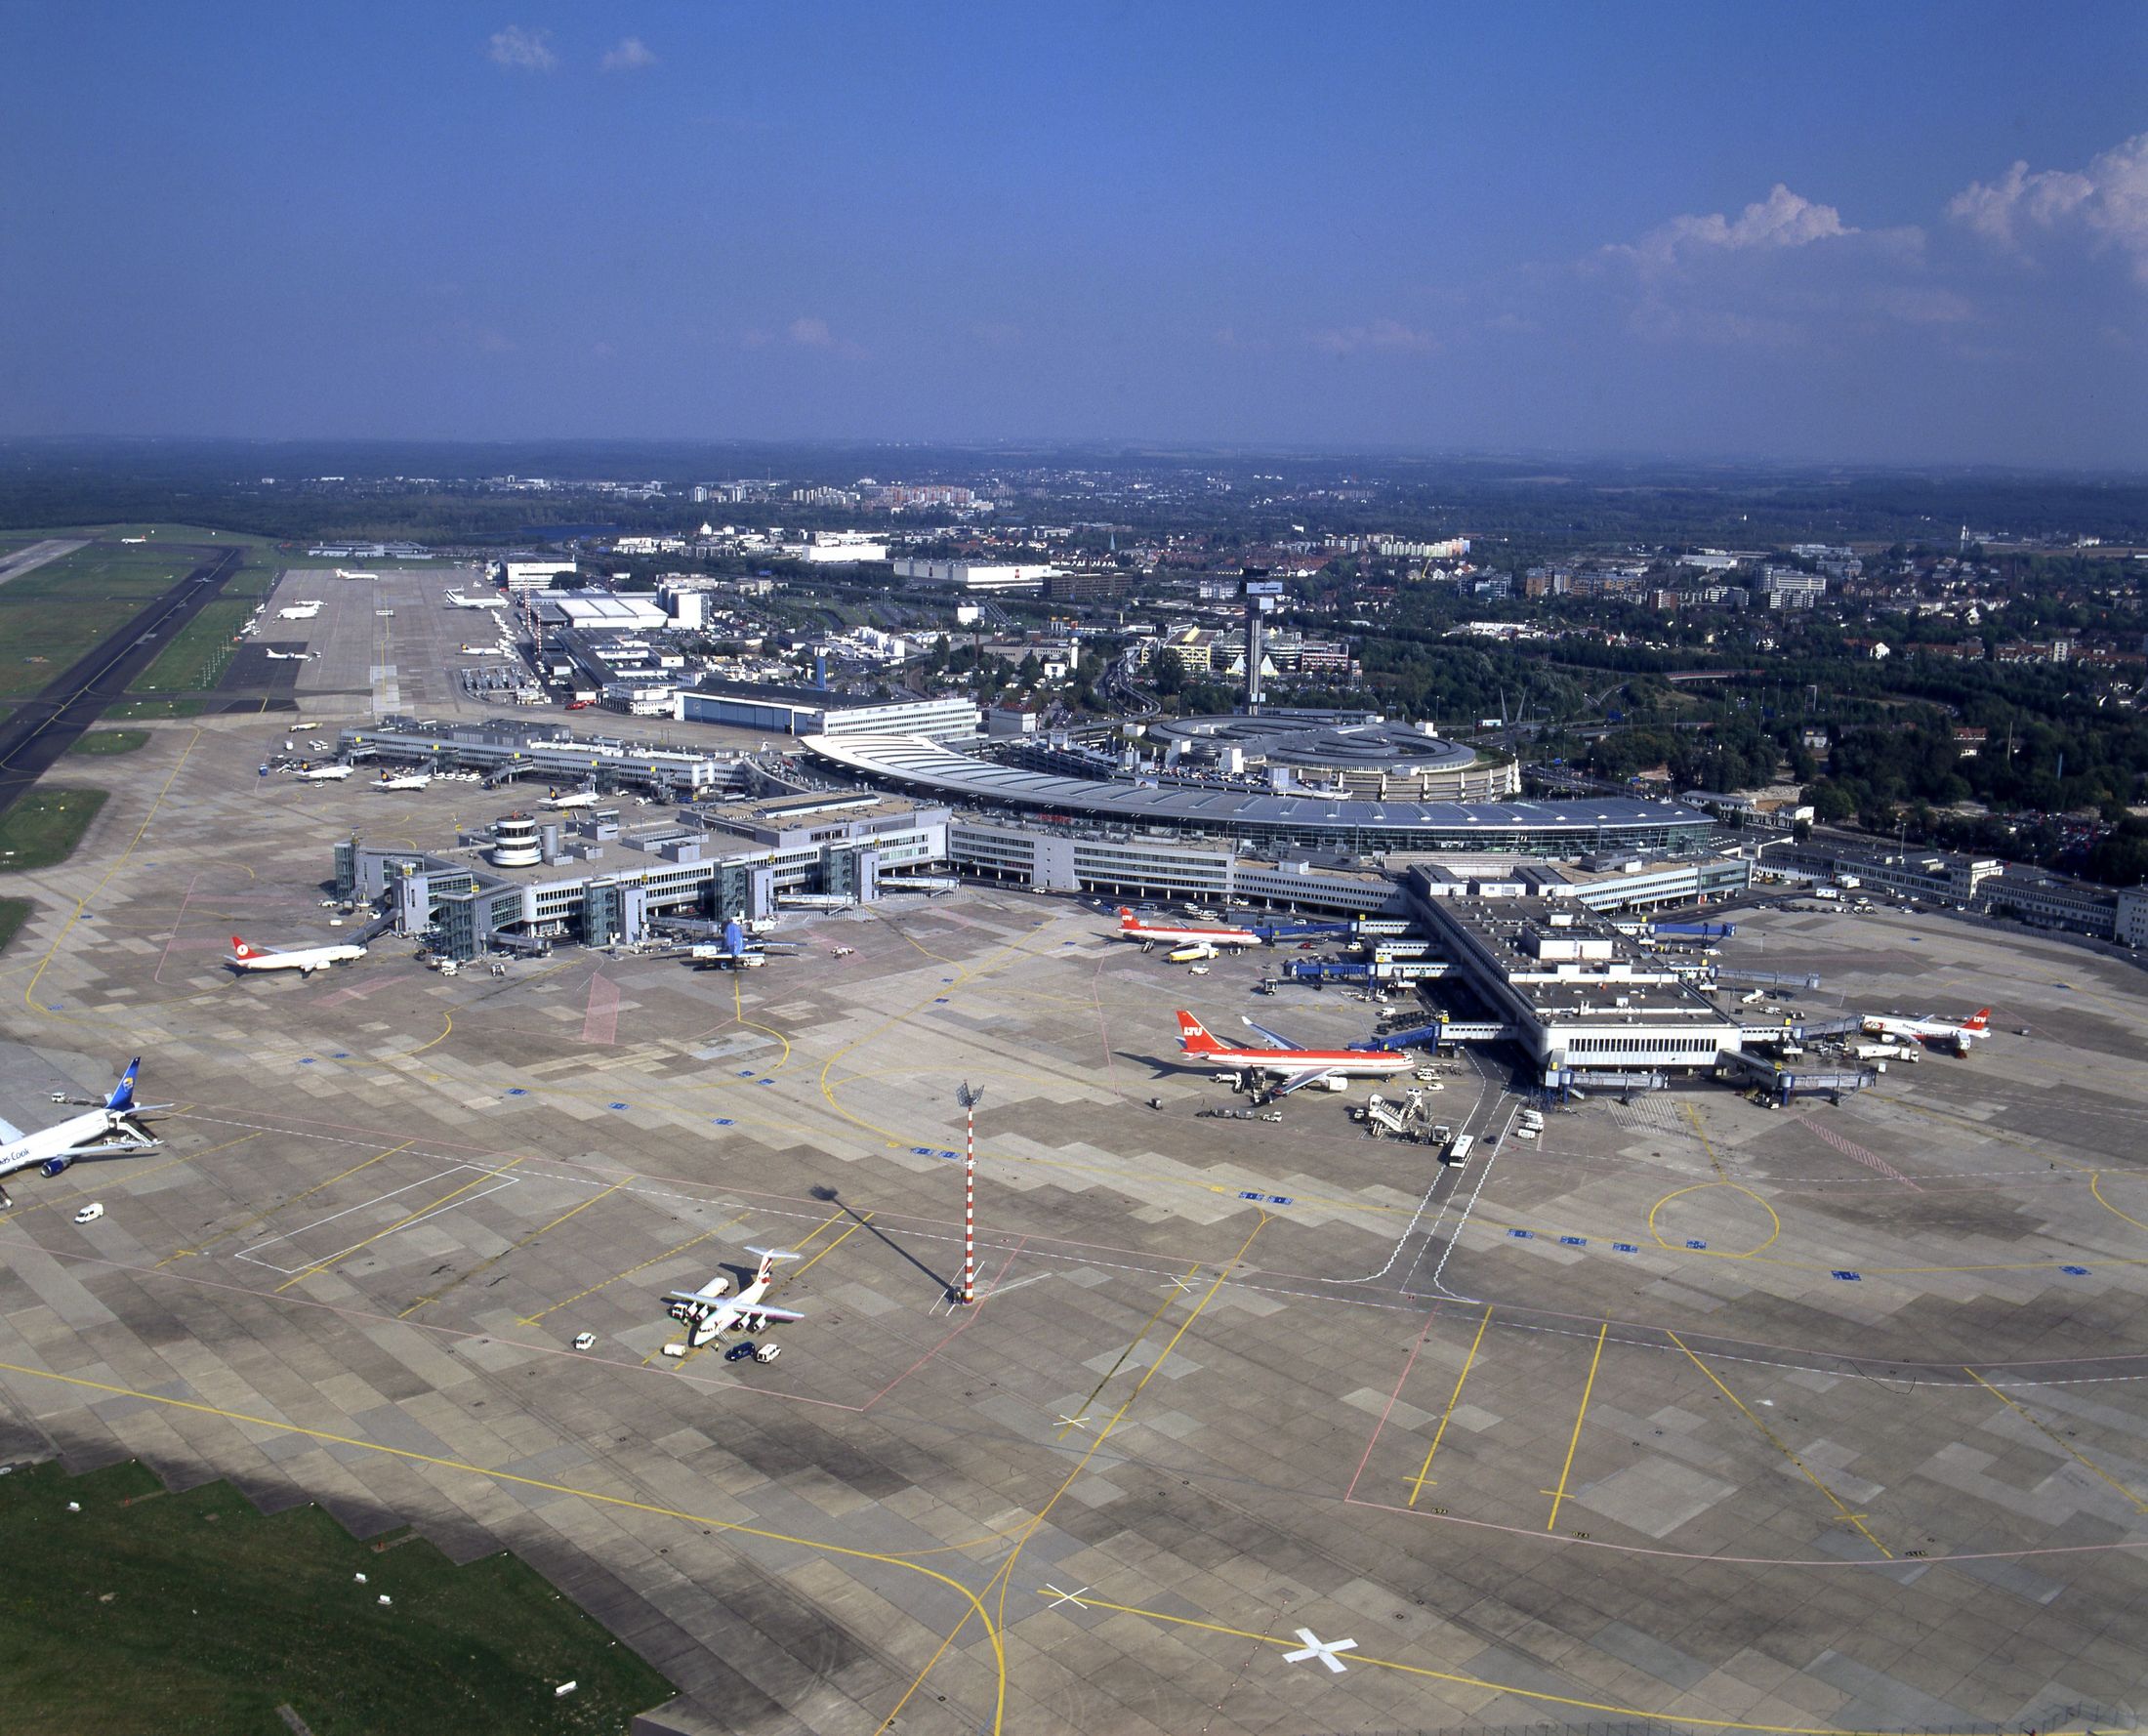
(761,1312)
(9,1132)
(121,1148)
(1296,1081)
(1274,1037)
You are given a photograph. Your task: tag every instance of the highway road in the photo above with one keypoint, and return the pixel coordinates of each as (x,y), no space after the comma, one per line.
(47,725)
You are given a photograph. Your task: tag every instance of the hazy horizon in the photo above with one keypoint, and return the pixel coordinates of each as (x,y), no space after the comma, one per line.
(1910,238)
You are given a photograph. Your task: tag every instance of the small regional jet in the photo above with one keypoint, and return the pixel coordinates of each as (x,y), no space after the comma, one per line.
(455,600)
(1291,1064)
(403,781)
(111,1129)
(305,959)
(289,656)
(1131,928)
(322,774)
(300,611)
(706,1313)
(1940,1033)
(573,799)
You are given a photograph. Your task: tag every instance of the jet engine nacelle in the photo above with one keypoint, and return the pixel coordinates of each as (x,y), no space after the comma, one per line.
(53,1166)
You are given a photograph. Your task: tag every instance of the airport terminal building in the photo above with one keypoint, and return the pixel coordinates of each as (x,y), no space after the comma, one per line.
(1282,822)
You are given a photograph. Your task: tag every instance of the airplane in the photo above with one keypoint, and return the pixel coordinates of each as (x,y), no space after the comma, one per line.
(290,657)
(1292,1064)
(407,780)
(112,1129)
(574,798)
(455,600)
(343,573)
(1937,1032)
(735,952)
(322,774)
(305,959)
(303,611)
(1131,928)
(706,1314)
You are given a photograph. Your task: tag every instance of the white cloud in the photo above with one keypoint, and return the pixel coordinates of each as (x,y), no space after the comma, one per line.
(813,333)
(525,50)
(630,56)
(2107,202)
(1781,222)
(1387,335)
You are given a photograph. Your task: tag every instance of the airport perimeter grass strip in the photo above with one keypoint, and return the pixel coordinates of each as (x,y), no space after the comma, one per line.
(198,652)
(13,913)
(42,829)
(111,741)
(185,705)
(192,1612)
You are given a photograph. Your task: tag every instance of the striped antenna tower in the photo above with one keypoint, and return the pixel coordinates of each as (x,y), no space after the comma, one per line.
(970,1097)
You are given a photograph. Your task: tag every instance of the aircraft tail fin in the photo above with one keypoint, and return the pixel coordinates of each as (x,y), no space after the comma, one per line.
(769,1256)
(122,1098)
(240,950)
(1126,916)
(1980,1022)
(1194,1035)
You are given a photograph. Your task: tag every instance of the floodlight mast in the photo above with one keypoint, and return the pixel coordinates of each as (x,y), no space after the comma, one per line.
(970,1097)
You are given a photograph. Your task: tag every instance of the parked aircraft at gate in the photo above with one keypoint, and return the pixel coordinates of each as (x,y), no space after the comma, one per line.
(1131,928)
(1940,1033)
(1292,1064)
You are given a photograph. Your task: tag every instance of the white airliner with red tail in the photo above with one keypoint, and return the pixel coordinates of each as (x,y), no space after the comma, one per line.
(1940,1033)
(1131,928)
(1292,1064)
(305,959)
(707,1311)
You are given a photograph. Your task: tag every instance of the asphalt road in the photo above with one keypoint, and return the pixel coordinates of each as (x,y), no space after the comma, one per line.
(46,726)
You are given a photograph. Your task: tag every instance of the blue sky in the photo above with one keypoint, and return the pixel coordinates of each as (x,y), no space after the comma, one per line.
(1718,230)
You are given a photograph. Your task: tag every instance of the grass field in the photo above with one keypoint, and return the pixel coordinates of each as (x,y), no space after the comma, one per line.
(196,656)
(111,741)
(44,827)
(185,705)
(13,913)
(49,617)
(192,1612)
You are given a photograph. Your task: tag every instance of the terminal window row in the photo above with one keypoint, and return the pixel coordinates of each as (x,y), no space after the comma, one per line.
(1643,1044)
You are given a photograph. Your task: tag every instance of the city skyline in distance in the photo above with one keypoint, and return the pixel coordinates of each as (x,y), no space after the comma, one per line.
(1904,237)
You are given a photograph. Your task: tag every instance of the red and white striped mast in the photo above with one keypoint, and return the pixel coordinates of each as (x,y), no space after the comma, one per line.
(970,1096)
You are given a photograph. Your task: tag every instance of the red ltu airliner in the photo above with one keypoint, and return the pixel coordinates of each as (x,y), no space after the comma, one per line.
(1294,1065)
(1131,928)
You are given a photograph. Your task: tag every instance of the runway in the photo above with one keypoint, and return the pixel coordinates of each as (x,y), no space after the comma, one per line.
(46,726)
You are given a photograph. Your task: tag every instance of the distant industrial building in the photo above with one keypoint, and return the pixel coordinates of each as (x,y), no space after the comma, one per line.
(973,575)
(524,576)
(597,611)
(780,710)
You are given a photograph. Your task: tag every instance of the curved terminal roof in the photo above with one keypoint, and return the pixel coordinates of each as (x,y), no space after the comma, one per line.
(916,763)
(1301,741)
